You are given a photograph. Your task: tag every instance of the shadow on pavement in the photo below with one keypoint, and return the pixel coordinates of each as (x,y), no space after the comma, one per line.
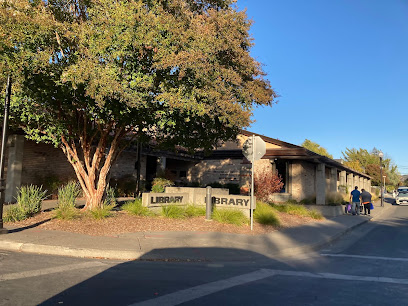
(20,229)
(141,280)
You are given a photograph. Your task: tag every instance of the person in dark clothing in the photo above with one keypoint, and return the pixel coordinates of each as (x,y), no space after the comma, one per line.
(366,200)
(355,201)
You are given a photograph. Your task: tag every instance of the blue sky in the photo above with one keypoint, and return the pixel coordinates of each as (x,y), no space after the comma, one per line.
(341,70)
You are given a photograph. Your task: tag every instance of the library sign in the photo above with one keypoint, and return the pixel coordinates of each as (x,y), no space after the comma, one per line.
(162,199)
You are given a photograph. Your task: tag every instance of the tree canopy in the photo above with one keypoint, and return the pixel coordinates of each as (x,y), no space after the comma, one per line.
(369,162)
(315,147)
(92,75)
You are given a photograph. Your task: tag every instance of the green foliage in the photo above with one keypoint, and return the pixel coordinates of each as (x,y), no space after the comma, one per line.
(173,211)
(110,198)
(192,210)
(335,198)
(29,200)
(14,213)
(124,186)
(315,214)
(298,210)
(315,147)
(193,184)
(67,196)
(178,72)
(136,208)
(230,216)
(159,184)
(369,162)
(102,212)
(265,214)
(51,183)
(67,213)
(308,201)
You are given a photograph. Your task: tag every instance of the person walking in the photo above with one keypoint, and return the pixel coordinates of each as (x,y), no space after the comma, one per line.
(355,201)
(366,201)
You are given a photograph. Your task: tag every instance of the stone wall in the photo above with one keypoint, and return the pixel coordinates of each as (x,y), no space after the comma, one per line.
(42,162)
(302,180)
(221,171)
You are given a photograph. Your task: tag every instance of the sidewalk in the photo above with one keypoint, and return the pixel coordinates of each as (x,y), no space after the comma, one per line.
(190,246)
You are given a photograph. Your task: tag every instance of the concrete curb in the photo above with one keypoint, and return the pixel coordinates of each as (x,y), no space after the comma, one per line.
(127,255)
(67,251)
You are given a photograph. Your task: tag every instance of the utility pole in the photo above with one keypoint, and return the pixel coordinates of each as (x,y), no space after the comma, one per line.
(2,152)
(381,155)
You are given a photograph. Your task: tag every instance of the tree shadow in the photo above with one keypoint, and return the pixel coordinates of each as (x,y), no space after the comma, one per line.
(157,273)
(20,229)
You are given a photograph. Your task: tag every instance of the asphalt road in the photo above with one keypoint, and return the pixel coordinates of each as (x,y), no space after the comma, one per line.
(366,267)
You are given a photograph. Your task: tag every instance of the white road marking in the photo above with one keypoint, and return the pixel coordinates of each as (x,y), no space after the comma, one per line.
(33,273)
(193,293)
(366,257)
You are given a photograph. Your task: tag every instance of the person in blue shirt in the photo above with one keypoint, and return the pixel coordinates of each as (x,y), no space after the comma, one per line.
(355,201)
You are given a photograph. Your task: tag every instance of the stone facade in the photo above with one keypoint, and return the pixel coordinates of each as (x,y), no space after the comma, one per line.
(305,174)
(302,180)
(221,171)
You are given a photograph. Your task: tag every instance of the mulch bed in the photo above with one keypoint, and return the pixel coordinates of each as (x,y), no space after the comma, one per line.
(121,222)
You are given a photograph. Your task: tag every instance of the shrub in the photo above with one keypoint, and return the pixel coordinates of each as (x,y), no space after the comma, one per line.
(315,214)
(160,183)
(192,210)
(110,196)
(136,208)
(67,213)
(307,201)
(335,198)
(231,216)
(173,211)
(102,212)
(51,183)
(193,184)
(298,210)
(266,214)
(124,186)
(13,214)
(29,201)
(30,198)
(215,185)
(266,183)
(67,195)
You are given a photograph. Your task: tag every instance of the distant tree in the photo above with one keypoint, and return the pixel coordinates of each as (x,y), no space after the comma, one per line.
(315,147)
(355,165)
(369,162)
(91,76)
(363,157)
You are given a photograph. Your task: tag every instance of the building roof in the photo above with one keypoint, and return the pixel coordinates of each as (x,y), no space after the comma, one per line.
(285,151)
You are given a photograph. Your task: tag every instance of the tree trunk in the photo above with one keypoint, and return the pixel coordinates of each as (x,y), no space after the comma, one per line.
(93,169)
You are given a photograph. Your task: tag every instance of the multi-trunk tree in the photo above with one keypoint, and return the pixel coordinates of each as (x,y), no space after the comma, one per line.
(91,76)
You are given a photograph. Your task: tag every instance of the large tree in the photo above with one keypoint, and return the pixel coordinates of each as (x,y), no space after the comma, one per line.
(92,75)
(315,147)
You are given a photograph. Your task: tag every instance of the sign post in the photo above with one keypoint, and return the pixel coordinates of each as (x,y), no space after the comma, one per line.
(254,149)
